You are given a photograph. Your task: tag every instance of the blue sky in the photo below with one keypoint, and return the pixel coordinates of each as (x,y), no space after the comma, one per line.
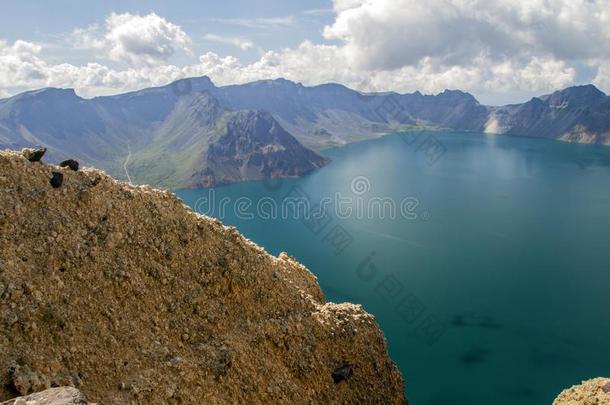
(271,24)
(501,51)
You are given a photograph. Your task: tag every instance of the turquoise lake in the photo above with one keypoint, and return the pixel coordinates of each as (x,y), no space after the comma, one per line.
(491,284)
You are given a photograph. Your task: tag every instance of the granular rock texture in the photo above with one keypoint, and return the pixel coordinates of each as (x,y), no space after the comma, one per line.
(126,294)
(591,392)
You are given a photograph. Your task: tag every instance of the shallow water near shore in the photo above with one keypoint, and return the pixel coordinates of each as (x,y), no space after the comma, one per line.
(491,280)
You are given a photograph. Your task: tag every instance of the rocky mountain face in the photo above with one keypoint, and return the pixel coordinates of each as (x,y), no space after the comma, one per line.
(578,114)
(331,115)
(163,135)
(321,116)
(253,147)
(452,109)
(202,144)
(126,294)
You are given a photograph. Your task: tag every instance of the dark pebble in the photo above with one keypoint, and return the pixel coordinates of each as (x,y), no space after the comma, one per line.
(342,373)
(606,388)
(71,163)
(57,179)
(35,155)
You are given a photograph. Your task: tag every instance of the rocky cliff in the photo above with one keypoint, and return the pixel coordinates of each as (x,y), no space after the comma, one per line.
(126,294)
(253,146)
(579,114)
(591,392)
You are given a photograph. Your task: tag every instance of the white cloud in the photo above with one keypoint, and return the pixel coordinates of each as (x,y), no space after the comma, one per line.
(258,23)
(302,64)
(91,37)
(403,45)
(299,64)
(134,39)
(23,68)
(20,65)
(240,43)
(389,34)
(318,11)
(602,79)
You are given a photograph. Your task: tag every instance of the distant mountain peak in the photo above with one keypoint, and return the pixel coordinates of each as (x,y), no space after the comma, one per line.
(338,86)
(578,95)
(457,95)
(190,84)
(279,82)
(49,92)
(586,90)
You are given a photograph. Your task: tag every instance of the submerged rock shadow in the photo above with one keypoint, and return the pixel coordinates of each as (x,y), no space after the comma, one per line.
(476,355)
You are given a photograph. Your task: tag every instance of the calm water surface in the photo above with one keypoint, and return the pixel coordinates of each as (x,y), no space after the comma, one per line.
(498,292)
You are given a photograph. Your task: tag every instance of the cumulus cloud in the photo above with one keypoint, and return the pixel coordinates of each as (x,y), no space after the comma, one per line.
(135,39)
(23,68)
(303,64)
(602,79)
(476,45)
(240,43)
(389,34)
(376,45)
(20,65)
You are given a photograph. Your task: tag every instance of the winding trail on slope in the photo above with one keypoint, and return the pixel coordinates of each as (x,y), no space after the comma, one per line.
(126,162)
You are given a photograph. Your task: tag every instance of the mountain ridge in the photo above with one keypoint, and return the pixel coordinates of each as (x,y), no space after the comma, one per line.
(167,130)
(196,79)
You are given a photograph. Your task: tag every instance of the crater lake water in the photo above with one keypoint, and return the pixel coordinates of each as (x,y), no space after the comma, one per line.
(493,284)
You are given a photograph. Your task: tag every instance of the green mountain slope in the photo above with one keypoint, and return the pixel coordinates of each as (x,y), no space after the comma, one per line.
(161,136)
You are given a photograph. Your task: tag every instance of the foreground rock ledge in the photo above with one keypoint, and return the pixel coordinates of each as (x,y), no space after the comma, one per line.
(128,295)
(591,392)
(52,396)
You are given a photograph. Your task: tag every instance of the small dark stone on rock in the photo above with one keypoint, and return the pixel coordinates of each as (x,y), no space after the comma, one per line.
(57,179)
(342,373)
(70,163)
(34,155)
(606,388)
